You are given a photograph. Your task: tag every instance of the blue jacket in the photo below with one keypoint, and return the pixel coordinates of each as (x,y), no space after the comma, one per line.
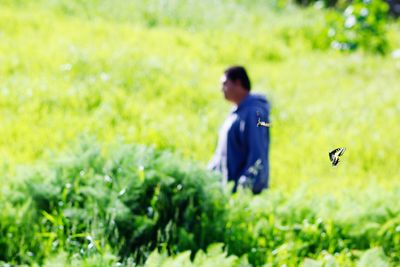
(242,151)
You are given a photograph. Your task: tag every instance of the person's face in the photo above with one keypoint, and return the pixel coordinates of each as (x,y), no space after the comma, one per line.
(228,88)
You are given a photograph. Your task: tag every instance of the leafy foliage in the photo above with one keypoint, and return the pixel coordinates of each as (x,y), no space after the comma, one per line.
(136,201)
(280,230)
(361,25)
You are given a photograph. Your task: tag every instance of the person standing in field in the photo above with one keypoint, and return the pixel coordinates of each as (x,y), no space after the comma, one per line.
(242,153)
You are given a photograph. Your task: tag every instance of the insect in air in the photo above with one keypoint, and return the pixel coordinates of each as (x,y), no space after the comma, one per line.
(335,154)
(262,123)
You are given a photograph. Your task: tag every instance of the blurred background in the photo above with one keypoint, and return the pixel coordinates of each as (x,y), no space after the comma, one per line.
(109,113)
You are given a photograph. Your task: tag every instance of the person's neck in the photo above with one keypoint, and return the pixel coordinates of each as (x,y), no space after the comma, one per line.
(240,97)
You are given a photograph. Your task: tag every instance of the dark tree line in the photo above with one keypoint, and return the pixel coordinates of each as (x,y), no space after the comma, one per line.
(394,5)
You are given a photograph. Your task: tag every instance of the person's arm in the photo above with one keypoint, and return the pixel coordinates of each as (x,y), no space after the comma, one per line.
(255,173)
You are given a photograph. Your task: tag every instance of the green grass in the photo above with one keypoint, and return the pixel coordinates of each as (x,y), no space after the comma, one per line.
(117,78)
(149,73)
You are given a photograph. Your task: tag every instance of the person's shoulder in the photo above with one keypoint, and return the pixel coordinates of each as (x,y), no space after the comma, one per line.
(260,106)
(258,98)
(258,95)
(255,102)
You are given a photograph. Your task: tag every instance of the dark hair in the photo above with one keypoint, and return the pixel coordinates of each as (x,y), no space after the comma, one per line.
(238,73)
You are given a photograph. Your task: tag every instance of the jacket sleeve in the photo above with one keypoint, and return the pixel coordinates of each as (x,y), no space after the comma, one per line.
(256,170)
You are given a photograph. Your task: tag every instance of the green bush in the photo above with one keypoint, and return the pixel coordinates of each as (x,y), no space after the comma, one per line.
(360,26)
(124,204)
(276,229)
(134,201)
(18,233)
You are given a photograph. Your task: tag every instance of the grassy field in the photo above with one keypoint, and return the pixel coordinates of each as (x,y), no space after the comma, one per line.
(148,73)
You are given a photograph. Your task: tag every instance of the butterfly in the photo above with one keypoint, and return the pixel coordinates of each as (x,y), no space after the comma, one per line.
(335,154)
(262,123)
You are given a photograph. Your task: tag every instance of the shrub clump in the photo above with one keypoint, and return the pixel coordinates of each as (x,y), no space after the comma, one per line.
(362,25)
(137,204)
(133,201)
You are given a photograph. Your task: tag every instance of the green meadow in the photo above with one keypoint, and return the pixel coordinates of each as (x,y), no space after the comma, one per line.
(128,92)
